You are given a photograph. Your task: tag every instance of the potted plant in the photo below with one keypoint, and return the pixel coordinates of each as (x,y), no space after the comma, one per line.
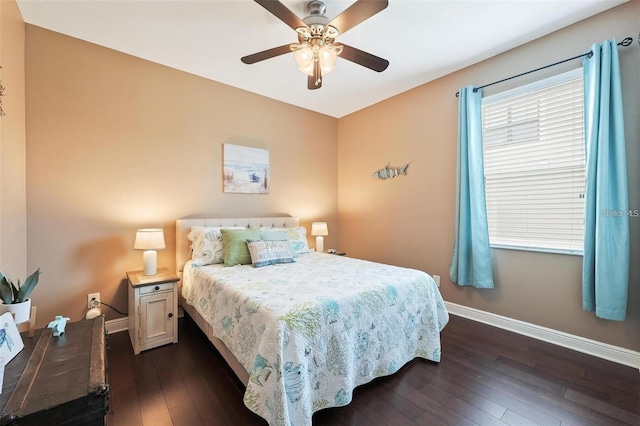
(15,297)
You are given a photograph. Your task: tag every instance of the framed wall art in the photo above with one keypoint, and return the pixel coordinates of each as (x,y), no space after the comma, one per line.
(245,169)
(10,340)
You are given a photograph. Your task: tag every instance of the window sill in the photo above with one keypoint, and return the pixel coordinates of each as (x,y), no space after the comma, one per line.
(538,249)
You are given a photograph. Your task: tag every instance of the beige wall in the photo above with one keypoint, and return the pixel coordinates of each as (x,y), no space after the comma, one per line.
(13,216)
(116,143)
(410,220)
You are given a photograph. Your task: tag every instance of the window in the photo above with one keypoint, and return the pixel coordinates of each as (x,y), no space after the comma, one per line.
(534,159)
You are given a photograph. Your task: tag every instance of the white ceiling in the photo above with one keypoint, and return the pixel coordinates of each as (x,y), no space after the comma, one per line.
(422,39)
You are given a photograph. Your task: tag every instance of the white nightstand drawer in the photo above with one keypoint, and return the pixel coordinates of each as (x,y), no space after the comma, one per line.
(156,287)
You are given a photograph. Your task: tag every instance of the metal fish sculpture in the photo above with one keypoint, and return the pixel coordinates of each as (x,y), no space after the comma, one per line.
(390,172)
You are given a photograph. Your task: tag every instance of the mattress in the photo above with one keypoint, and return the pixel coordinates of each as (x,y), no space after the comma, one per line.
(309,332)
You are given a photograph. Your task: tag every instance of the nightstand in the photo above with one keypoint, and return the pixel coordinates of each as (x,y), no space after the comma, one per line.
(153,309)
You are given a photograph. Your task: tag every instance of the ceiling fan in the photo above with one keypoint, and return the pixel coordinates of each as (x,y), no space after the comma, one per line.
(316,49)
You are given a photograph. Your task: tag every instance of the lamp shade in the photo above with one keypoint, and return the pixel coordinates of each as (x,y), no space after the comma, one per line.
(327,59)
(149,239)
(319,229)
(305,58)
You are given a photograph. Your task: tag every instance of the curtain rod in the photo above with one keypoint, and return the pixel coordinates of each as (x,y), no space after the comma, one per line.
(626,42)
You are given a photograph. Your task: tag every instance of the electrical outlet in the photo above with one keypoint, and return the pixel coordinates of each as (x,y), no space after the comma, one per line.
(436,278)
(90,298)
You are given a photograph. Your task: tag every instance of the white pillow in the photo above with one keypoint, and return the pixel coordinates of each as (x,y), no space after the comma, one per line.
(270,252)
(206,244)
(196,232)
(298,239)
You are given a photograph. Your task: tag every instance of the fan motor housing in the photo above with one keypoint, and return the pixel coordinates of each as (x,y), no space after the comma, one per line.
(316,7)
(316,16)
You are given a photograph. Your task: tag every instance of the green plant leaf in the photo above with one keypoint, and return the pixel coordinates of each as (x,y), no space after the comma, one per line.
(25,290)
(14,290)
(5,291)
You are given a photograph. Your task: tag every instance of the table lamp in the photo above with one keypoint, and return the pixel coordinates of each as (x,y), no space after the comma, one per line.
(319,230)
(149,240)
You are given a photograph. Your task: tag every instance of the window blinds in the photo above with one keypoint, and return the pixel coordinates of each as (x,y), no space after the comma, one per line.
(534,159)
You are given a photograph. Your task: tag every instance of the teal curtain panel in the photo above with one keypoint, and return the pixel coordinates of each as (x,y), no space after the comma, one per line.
(605,269)
(471,259)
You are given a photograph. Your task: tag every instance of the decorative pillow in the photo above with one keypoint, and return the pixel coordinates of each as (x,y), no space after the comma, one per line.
(197,231)
(269,252)
(207,247)
(236,251)
(276,234)
(273,234)
(298,239)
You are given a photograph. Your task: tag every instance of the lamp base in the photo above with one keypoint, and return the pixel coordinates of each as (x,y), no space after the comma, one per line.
(150,260)
(320,244)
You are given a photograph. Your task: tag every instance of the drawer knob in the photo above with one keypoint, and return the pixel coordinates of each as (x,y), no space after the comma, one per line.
(157,287)
(170,315)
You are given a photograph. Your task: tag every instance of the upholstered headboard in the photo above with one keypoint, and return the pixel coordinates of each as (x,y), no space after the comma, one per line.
(183,227)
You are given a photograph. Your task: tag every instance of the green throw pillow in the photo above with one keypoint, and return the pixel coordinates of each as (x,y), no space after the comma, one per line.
(236,251)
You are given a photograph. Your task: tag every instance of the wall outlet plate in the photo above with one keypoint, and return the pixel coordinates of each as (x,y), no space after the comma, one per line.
(90,298)
(436,278)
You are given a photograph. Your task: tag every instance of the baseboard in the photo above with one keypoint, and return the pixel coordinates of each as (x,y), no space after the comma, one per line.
(581,344)
(117,325)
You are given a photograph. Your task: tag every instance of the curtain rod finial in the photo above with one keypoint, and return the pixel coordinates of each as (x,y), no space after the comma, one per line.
(627,41)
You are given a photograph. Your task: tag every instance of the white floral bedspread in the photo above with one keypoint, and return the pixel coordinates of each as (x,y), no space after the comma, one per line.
(310,332)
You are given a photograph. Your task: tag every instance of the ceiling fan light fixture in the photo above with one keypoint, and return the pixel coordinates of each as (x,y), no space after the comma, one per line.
(307,70)
(315,52)
(304,59)
(327,58)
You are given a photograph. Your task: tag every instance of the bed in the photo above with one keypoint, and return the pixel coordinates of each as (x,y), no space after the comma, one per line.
(302,335)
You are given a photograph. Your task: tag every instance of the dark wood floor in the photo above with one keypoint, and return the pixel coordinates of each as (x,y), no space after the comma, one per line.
(487,376)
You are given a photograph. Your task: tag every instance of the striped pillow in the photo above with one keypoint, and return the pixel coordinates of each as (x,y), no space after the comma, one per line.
(272,252)
(235,245)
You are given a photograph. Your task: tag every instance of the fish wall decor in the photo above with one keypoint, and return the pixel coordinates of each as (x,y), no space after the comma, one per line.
(390,172)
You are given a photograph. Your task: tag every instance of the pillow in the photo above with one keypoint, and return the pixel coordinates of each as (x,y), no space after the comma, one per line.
(206,245)
(276,234)
(197,231)
(273,234)
(298,239)
(269,252)
(236,251)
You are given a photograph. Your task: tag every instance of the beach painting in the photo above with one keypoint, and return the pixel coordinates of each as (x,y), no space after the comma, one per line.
(10,340)
(245,169)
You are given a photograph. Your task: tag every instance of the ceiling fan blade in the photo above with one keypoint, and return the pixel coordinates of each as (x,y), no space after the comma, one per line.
(311,83)
(281,12)
(358,12)
(266,54)
(363,58)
